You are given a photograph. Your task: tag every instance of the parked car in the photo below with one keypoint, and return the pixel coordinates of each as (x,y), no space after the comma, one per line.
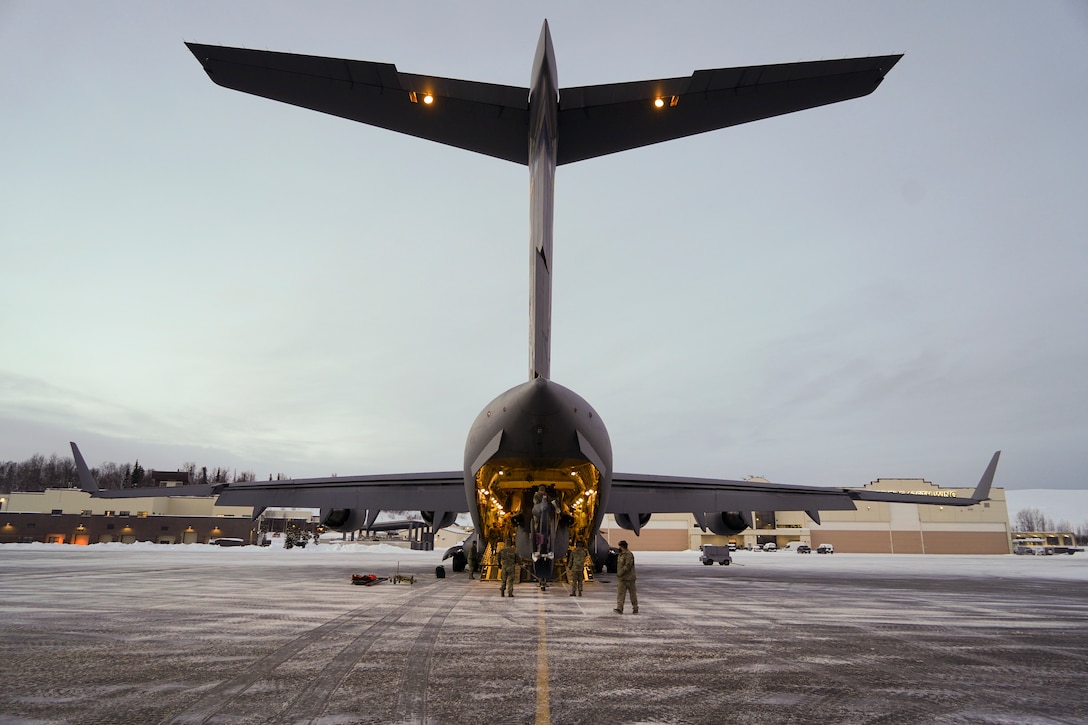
(825,549)
(227,541)
(804,549)
(770,546)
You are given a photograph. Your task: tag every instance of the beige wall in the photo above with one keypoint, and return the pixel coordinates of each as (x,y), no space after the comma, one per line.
(648,539)
(665,532)
(74,501)
(948,542)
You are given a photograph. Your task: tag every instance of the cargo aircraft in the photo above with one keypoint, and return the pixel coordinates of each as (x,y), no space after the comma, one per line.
(538,461)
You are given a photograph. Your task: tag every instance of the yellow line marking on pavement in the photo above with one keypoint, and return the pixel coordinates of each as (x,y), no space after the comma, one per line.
(543,708)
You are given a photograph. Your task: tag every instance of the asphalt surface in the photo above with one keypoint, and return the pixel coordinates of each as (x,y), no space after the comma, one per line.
(109,635)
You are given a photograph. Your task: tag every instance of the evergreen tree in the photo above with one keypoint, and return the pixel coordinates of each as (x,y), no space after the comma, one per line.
(137,476)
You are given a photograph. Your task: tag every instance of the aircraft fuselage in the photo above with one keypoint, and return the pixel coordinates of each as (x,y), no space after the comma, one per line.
(538,468)
(538,461)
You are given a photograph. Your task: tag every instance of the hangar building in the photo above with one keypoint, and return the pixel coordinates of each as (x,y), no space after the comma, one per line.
(71,516)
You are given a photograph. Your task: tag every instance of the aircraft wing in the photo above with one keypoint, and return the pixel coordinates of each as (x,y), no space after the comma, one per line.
(444,491)
(641,494)
(604,119)
(493,119)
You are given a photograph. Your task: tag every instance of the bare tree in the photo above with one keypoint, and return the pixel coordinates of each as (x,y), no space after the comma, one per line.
(29,475)
(7,476)
(69,477)
(38,473)
(1030,519)
(109,475)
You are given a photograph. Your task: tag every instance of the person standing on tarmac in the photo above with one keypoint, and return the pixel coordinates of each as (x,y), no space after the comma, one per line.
(625,579)
(576,567)
(473,560)
(508,562)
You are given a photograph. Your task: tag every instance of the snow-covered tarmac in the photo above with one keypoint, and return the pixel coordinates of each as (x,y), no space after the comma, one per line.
(199,634)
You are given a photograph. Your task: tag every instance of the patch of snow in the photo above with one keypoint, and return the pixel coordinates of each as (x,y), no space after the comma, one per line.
(996,567)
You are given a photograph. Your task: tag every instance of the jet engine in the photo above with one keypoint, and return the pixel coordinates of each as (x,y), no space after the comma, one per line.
(632,523)
(446,519)
(344,520)
(727,523)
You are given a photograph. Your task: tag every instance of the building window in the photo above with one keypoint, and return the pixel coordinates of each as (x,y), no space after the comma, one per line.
(141,514)
(124,513)
(85,512)
(109,513)
(56,512)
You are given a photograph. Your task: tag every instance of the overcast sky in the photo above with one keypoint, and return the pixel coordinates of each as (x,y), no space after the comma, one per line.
(891,286)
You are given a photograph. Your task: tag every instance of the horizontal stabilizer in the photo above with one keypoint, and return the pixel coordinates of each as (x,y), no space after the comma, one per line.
(493,119)
(599,120)
(483,117)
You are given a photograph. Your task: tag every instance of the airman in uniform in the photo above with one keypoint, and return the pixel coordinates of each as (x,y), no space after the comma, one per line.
(508,562)
(473,560)
(576,563)
(625,579)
